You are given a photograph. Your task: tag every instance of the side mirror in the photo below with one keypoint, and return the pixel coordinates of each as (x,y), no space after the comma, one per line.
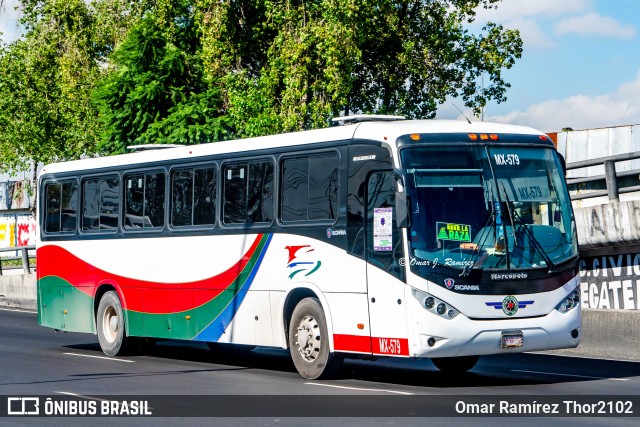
(403,210)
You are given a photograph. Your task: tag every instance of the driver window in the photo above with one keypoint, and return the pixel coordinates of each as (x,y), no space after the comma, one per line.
(384,243)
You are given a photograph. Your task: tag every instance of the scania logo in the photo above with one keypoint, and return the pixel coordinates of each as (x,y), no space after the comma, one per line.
(449,283)
(510,305)
(332,232)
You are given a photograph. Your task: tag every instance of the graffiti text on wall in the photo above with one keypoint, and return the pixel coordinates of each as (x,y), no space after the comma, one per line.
(17,230)
(611,282)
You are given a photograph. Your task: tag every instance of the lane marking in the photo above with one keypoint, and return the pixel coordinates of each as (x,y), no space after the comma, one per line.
(570,375)
(100,357)
(19,310)
(577,356)
(81,395)
(361,389)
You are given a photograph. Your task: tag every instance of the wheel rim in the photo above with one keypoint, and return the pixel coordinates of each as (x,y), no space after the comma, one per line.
(110,324)
(308,338)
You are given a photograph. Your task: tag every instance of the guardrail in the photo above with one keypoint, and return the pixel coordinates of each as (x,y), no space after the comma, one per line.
(610,176)
(26,267)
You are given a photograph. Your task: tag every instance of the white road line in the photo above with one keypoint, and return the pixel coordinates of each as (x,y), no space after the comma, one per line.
(578,356)
(570,375)
(18,310)
(361,389)
(81,395)
(100,357)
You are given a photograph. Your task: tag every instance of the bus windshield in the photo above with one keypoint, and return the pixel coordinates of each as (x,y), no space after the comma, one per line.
(501,207)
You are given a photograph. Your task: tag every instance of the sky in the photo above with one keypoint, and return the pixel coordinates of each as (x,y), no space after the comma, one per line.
(580,66)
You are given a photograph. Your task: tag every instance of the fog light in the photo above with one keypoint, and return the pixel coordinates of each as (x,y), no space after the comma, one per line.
(431,342)
(429,302)
(451,314)
(441,308)
(574,333)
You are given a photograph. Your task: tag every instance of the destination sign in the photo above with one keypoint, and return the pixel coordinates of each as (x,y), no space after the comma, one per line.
(455,232)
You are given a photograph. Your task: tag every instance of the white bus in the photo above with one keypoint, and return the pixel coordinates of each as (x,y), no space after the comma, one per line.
(378,237)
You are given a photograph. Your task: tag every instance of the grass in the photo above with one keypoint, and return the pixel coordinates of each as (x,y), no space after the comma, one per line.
(12,262)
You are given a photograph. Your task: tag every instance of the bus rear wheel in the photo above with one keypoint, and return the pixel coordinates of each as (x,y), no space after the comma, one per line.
(309,342)
(454,365)
(110,324)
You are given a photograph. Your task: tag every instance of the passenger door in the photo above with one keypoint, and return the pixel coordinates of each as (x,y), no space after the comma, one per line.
(385,273)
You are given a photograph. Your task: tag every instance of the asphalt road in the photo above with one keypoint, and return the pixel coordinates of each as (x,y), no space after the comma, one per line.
(36,361)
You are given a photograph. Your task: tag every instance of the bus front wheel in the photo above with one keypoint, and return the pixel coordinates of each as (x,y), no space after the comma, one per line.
(309,342)
(454,365)
(110,325)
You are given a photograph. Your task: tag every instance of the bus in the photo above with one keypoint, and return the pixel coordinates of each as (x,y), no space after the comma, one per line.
(377,237)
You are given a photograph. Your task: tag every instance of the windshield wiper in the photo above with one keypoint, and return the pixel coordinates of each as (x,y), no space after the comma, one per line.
(472,262)
(536,243)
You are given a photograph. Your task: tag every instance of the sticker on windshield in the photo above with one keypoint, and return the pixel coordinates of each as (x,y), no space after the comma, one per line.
(382,237)
(455,232)
(507,159)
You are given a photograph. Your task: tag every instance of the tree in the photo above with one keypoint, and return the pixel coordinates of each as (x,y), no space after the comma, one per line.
(48,76)
(156,91)
(292,64)
(44,110)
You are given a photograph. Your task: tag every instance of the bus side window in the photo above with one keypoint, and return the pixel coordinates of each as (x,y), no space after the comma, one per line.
(193,197)
(384,246)
(100,203)
(294,189)
(52,206)
(181,198)
(248,193)
(260,193)
(204,196)
(309,188)
(144,200)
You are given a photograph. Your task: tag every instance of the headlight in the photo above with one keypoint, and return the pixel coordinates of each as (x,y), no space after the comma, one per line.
(435,305)
(569,302)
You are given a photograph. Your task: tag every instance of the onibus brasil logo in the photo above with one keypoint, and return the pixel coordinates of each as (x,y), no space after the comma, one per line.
(300,261)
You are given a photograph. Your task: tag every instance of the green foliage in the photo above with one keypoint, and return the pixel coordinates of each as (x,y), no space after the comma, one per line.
(98,76)
(291,65)
(45,112)
(156,92)
(49,74)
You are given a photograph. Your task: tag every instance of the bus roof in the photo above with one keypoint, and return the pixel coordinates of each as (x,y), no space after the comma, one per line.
(383,131)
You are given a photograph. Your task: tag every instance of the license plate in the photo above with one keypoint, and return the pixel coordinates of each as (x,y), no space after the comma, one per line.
(511,339)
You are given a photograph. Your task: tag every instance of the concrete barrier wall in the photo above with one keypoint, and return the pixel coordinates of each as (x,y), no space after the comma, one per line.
(605,333)
(18,291)
(614,224)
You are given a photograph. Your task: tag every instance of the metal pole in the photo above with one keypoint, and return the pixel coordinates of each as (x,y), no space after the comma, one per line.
(611,180)
(25,261)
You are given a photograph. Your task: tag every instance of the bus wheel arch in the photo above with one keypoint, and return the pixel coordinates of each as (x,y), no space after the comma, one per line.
(292,299)
(309,341)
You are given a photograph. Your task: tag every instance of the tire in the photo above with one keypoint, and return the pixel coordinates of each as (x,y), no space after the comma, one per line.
(455,365)
(110,325)
(309,342)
